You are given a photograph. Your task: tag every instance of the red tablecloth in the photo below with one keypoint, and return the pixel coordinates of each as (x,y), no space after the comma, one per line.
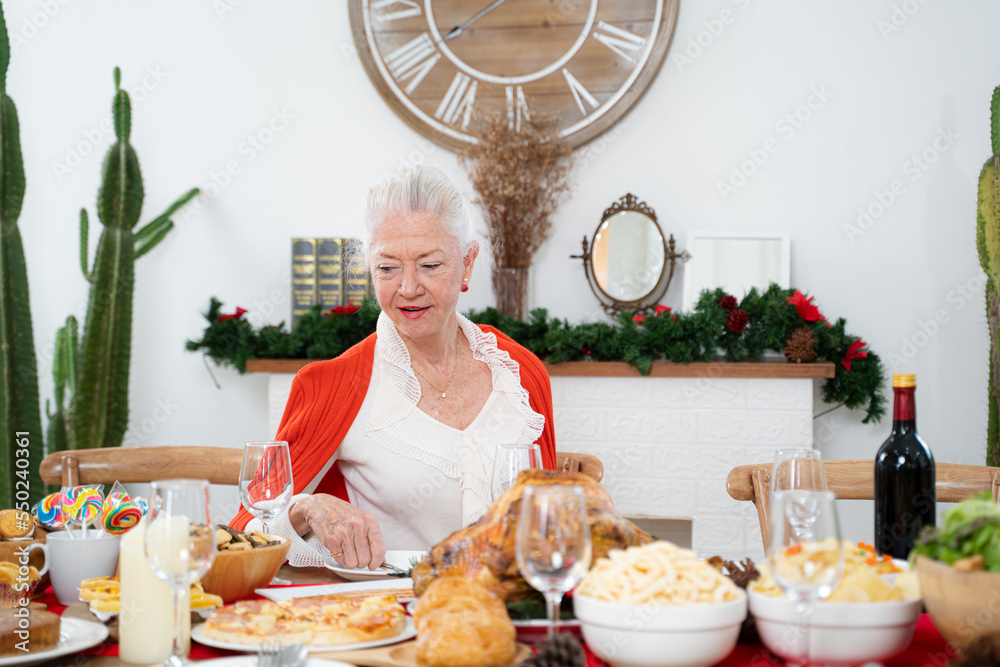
(928,648)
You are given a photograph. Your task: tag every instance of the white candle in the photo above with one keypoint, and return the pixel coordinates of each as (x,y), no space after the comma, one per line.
(146,620)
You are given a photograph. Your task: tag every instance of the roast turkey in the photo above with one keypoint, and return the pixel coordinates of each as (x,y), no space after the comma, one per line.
(484,551)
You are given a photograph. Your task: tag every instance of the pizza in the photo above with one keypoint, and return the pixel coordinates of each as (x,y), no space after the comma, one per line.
(322,620)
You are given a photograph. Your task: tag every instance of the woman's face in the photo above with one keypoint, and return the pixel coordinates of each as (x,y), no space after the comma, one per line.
(418,269)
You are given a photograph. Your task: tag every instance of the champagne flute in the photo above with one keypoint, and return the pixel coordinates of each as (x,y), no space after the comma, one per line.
(807,570)
(508,462)
(266,483)
(553,545)
(800,469)
(179,545)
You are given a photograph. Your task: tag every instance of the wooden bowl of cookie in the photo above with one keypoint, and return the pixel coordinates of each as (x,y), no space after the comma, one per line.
(245,561)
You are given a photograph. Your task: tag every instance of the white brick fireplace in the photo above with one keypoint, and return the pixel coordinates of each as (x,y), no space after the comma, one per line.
(668,440)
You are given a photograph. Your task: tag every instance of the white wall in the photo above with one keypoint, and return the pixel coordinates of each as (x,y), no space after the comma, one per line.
(222,77)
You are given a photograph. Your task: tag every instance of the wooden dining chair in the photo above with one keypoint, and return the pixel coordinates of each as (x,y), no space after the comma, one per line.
(219,465)
(587,464)
(854,479)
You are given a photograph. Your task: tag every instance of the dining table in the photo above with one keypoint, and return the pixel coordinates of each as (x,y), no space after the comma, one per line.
(927,649)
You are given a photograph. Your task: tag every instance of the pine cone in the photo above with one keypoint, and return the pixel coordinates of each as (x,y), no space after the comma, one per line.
(561,650)
(801,347)
(983,652)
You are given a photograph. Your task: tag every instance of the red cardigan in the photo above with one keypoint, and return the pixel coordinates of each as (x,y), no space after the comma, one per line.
(326,396)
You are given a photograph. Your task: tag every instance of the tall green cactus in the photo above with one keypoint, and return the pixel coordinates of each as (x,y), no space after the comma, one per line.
(988,241)
(20,421)
(99,409)
(64,376)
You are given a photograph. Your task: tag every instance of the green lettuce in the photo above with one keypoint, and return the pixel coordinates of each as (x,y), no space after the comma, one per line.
(971,528)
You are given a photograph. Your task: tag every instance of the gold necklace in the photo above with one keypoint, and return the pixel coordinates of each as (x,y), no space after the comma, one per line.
(447,384)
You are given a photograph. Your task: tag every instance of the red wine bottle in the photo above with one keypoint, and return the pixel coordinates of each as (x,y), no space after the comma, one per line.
(904,477)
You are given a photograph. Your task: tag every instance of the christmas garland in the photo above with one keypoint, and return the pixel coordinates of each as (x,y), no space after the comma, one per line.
(776,319)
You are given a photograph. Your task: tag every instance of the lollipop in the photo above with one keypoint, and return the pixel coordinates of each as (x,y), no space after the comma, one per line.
(142,503)
(49,512)
(81,505)
(121,518)
(116,498)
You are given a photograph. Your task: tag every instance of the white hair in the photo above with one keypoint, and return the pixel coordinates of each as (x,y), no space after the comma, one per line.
(419,189)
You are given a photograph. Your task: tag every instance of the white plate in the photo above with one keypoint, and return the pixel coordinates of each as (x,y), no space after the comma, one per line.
(292,592)
(398,558)
(409,632)
(251,661)
(74,635)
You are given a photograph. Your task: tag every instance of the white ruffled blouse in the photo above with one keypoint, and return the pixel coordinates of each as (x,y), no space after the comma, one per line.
(419,478)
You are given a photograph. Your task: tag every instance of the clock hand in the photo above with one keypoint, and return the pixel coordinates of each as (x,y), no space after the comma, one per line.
(457,30)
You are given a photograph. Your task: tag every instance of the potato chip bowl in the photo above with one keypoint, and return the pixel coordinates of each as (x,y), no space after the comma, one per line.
(840,633)
(235,574)
(963,605)
(660,635)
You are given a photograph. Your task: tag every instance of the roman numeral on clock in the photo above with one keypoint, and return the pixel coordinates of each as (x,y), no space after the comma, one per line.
(413,61)
(580,94)
(622,42)
(387,10)
(458,100)
(517,108)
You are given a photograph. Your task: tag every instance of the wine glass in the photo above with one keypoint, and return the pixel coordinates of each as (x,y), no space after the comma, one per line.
(179,545)
(266,483)
(807,570)
(798,469)
(508,462)
(553,546)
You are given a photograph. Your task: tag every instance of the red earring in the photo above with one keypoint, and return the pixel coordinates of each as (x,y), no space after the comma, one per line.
(465,288)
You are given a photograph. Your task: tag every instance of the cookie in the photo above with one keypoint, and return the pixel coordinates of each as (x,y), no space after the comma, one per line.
(15,525)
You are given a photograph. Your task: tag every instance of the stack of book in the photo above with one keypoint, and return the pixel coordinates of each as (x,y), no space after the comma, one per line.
(328,272)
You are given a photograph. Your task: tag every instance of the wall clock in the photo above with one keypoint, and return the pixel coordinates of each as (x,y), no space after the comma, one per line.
(443,65)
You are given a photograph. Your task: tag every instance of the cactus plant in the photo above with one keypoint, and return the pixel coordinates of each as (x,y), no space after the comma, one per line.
(99,409)
(64,374)
(988,242)
(19,412)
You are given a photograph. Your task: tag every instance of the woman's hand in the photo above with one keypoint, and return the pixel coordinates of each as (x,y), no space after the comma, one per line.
(352,536)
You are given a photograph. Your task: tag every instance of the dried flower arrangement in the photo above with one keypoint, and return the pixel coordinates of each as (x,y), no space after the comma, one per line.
(520,176)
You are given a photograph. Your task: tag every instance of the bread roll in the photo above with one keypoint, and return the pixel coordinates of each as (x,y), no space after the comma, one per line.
(461,624)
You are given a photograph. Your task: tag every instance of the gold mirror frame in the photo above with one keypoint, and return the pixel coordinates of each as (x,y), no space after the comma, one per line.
(645,304)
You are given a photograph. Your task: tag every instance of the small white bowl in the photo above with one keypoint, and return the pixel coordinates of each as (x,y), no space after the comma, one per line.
(660,635)
(840,633)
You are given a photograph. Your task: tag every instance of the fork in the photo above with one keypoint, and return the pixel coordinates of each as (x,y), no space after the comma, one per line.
(269,653)
(391,568)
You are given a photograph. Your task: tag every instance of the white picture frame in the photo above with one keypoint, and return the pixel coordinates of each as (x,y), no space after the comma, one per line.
(735,261)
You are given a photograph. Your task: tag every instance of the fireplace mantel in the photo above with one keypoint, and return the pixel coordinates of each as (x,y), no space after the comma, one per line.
(663,369)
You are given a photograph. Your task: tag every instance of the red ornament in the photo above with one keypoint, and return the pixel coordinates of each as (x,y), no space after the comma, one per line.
(738,321)
(639,318)
(854,352)
(805,307)
(349,309)
(662,309)
(234,316)
(728,303)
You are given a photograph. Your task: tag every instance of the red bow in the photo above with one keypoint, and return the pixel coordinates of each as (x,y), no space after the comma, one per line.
(639,318)
(805,307)
(662,309)
(854,352)
(234,316)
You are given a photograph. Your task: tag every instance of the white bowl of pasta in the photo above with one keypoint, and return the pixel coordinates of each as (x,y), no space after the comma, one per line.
(870,616)
(658,606)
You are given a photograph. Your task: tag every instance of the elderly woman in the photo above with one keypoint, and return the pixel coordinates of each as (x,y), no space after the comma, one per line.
(392,442)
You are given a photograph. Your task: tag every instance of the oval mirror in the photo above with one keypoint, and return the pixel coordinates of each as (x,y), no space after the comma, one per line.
(628,256)
(629,263)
